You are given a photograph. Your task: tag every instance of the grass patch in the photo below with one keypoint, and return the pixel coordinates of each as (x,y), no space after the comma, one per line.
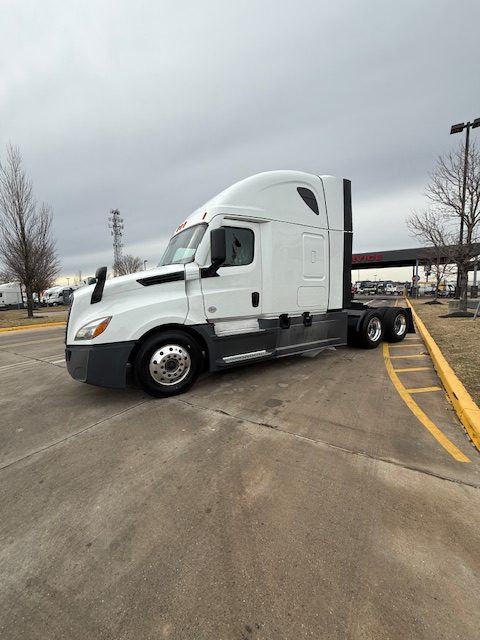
(459,341)
(18,317)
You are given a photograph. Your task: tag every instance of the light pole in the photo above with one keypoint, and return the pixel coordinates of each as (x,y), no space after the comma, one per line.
(458,128)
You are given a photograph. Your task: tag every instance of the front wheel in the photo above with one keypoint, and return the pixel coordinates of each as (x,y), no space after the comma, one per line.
(168,364)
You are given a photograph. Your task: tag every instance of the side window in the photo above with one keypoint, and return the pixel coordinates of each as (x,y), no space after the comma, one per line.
(309,198)
(240,244)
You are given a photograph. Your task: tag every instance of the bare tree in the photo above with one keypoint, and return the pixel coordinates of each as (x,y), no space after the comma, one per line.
(6,276)
(47,264)
(27,249)
(432,231)
(445,190)
(128,264)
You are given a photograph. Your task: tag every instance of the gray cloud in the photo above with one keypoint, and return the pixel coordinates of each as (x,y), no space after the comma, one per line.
(153,107)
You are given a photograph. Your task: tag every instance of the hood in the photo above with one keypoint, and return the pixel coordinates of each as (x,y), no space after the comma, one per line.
(132,281)
(124,296)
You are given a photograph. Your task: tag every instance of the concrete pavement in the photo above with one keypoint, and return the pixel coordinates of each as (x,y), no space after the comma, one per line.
(294,499)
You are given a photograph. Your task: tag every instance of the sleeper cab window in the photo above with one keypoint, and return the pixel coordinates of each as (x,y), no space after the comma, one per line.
(240,244)
(309,198)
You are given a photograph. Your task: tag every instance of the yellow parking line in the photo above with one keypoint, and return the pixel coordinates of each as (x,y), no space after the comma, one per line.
(439,436)
(423,389)
(415,355)
(413,369)
(403,345)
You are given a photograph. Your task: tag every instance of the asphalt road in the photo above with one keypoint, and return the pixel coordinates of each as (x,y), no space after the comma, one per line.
(295,499)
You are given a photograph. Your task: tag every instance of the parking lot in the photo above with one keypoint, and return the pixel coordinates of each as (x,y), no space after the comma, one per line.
(299,498)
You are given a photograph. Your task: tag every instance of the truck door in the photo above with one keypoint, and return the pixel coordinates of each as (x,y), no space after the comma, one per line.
(236,291)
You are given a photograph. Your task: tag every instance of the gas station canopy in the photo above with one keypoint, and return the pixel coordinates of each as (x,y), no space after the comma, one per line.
(400,257)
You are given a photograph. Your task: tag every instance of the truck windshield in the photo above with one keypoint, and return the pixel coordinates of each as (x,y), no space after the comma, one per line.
(181,248)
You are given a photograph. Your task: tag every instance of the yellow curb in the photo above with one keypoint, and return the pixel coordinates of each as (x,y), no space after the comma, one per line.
(40,325)
(465,407)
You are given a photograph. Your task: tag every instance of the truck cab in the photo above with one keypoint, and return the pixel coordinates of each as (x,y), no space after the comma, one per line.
(260,271)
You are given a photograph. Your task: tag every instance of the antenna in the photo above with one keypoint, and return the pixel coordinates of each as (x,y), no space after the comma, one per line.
(115,223)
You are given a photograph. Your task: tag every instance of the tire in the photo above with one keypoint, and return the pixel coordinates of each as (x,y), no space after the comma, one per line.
(371,330)
(396,324)
(168,363)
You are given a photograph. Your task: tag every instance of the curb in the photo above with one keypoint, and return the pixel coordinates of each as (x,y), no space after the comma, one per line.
(466,409)
(40,325)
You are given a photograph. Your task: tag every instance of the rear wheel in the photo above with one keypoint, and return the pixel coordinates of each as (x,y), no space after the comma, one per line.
(371,330)
(396,324)
(168,364)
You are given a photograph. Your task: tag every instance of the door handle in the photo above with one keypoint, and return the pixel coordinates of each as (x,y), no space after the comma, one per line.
(255,299)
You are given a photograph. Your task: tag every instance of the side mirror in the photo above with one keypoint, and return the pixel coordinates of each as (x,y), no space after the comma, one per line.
(218,250)
(218,246)
(101,276)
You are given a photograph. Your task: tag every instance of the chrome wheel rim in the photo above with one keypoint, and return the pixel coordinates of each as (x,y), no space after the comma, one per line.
(400,325)
(374,329)
(170,364)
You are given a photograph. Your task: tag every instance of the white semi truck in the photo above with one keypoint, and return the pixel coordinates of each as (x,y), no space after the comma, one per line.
(261,271)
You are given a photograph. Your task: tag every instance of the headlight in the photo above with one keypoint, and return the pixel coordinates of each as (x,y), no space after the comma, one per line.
(93,329)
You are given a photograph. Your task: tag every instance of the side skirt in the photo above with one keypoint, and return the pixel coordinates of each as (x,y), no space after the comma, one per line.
(276,338)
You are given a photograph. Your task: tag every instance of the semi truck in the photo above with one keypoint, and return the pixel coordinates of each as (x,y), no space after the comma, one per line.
(261,271)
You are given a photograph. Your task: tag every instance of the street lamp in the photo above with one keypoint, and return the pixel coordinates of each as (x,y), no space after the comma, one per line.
(458,128)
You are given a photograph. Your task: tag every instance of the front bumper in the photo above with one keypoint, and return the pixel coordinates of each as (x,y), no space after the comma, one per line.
(104,365)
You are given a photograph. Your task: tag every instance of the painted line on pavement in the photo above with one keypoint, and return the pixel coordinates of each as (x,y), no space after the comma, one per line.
(10,345)
(423,389)
(413,369)
(466,409)
(416,355)
(439,436)
(18,365)
(402,345)
(29,363)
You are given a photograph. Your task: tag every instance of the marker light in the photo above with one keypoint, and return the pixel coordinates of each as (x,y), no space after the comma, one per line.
(93,329)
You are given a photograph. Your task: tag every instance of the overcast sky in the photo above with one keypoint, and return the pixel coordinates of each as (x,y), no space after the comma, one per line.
(153,107)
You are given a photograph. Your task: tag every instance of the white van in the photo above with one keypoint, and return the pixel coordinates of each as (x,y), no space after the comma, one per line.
(261,271)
